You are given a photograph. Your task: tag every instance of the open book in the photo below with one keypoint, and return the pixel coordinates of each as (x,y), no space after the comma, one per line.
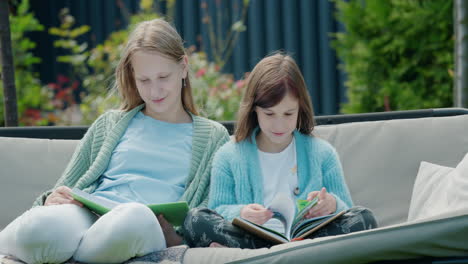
(294,223)
(173,212)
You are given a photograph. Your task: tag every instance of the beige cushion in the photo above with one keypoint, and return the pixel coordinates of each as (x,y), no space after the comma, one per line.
(429,197)
(457,193)
(29,167)
(381,159)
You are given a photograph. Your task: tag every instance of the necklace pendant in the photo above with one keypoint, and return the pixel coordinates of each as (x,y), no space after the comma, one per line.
(296,191)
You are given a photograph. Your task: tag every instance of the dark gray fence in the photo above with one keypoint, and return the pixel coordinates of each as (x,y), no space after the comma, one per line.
(299,27)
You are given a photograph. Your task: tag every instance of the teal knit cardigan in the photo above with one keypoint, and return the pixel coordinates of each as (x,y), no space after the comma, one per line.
(94,151)
(236,178)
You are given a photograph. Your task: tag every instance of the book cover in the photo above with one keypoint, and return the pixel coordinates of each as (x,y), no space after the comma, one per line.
(173,212)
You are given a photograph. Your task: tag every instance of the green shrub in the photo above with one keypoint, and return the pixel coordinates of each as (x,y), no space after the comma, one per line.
(397,54)
(29,92)
(216,94)
(63,94)
(76,54)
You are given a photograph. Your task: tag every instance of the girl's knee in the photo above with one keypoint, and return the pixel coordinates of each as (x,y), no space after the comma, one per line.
(49,233)
(47,223)
(365,215)
(135,219)
(128,222)
(195,215)
(128,230)
(197,222)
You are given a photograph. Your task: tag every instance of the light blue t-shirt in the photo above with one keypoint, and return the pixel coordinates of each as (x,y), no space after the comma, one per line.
(150,163)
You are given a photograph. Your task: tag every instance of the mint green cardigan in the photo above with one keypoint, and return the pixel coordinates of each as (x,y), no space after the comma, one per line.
(94,151)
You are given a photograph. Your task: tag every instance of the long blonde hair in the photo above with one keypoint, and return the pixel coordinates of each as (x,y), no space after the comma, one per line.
(269,82)
(155,35)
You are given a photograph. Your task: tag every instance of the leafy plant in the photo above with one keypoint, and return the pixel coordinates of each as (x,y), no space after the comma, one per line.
(216,94)
(29,91)
(76,53)
(397,54)
(64,94)
(221,47)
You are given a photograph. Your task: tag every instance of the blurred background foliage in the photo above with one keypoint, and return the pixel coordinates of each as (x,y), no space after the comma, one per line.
(61,102)
(397,54)
(28,86)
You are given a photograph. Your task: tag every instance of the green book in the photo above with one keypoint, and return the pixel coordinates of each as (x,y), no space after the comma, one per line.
(173,212)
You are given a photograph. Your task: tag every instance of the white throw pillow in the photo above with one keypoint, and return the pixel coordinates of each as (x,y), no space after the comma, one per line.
(429,197)
(457,192)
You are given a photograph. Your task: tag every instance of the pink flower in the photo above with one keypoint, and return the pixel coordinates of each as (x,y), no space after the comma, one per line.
(213,91)
(224,87)
(53,86)
(75,85)
(200,72)
(240,84)
(33,113)
(61,94)
(62,78)
(58,104)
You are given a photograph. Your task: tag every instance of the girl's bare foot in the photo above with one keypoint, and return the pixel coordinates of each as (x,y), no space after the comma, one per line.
(217,245)
(172,238)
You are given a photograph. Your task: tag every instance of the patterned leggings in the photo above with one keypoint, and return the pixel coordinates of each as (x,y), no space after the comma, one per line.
(203,226)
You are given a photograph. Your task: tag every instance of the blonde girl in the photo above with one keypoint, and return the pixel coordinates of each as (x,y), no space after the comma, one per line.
(155,149)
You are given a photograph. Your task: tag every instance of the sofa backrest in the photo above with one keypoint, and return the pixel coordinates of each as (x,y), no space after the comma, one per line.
(380,161)
(28,167)
(381,158)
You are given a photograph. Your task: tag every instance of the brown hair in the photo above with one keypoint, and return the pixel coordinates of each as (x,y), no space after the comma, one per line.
(155,35)
(269,82)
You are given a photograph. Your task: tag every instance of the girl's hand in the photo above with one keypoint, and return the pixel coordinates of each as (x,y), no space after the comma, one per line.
(256,213)
(61,195)
(326,204)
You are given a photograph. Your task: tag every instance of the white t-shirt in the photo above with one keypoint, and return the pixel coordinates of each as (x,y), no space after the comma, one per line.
(279,172)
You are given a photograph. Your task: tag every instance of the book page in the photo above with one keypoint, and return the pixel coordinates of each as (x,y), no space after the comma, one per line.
(304,207)
(309,226)
(284,209)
